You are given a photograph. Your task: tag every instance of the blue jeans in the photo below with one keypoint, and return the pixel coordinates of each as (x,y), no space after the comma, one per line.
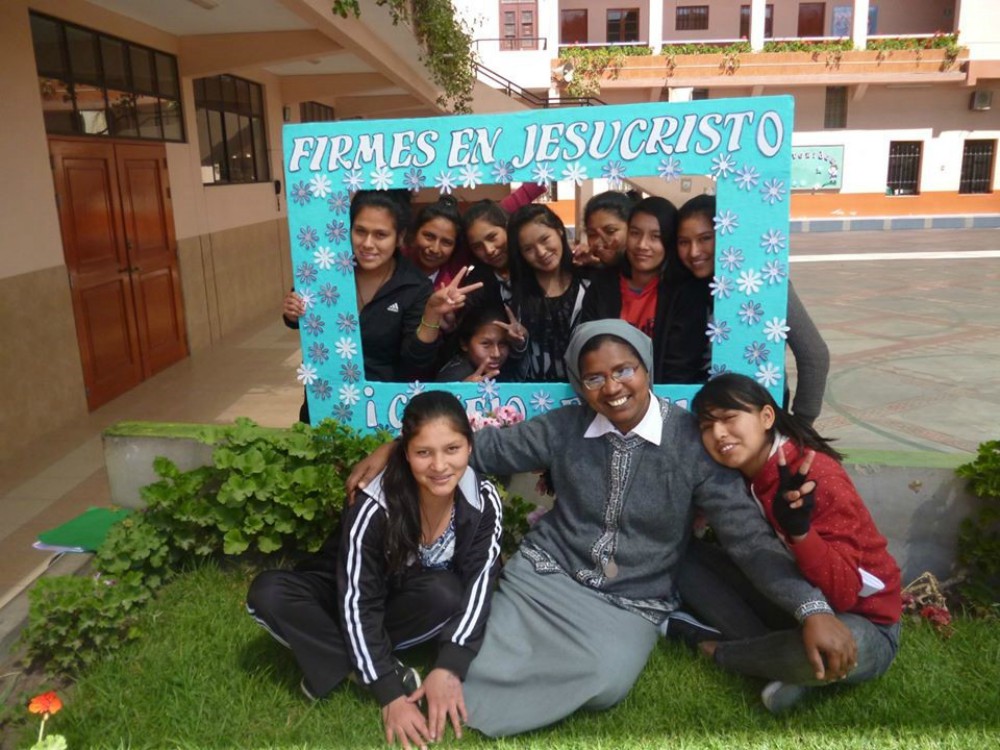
(760,640)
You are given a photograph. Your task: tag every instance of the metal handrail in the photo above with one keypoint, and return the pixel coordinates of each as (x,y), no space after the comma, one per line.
(516,91)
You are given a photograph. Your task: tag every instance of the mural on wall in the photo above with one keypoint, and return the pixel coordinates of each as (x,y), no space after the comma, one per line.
(743,144)
(817,167)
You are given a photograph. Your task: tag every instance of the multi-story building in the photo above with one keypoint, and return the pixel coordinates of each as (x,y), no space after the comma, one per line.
(897,103)
(142,215)
(141,220)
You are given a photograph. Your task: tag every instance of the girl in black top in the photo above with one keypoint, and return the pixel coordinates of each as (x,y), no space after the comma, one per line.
(548,293)
(400,317)
(415,560)
(484,347)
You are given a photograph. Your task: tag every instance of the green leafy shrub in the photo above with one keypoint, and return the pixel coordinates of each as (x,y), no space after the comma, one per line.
(74,620)
(705,48)
(979,535)
(805,45)
(267,490)
(938,41)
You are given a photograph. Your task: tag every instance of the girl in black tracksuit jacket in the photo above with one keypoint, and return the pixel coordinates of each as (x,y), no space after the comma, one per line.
(405,567)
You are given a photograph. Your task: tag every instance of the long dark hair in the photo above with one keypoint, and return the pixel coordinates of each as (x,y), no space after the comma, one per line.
(619,204)
(733,391)
(488,210)
(402,498)
(475,319)
(702,206)
(665,214)
(522,275)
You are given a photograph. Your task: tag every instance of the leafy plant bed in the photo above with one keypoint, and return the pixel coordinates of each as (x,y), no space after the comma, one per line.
(206,676)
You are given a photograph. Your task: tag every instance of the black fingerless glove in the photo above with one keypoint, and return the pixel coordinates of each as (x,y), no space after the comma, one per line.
(793,521)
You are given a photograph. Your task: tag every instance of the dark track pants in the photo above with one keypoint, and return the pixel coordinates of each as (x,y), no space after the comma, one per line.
(299,608)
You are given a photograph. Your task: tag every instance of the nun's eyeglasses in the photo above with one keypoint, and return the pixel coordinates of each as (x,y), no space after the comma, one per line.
(594,382)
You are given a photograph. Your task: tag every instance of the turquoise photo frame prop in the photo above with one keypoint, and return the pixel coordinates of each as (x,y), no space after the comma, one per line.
(743,144)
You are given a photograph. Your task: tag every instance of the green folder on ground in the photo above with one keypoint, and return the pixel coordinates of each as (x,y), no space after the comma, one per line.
(85,533)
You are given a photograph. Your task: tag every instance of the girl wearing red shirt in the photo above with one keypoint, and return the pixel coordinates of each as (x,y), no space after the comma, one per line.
(802,489)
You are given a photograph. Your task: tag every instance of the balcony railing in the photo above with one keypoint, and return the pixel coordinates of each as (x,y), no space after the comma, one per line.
(530,98)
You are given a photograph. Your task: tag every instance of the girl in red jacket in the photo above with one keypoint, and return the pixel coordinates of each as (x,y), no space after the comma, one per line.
(797,480)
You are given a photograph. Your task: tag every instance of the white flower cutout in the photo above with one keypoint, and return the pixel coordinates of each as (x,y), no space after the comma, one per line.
(470,175)
(669,169)
(576,173)
(306,374)
(320,186)
(382,178)
(776,330)
(445,182)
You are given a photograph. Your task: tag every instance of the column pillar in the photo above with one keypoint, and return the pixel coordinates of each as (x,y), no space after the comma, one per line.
(859,30)
(656,26)
(758,12)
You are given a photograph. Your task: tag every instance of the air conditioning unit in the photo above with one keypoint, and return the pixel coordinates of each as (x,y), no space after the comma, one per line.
(981,100)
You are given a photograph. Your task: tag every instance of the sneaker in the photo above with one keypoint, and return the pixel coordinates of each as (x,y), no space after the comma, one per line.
(410,677)
(780,696)
(683,627)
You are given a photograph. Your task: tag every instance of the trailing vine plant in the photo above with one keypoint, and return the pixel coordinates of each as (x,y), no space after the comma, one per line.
(445,41)
(590,64)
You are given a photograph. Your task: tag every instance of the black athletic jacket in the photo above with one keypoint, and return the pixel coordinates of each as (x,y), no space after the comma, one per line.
(363,585)
(393,353)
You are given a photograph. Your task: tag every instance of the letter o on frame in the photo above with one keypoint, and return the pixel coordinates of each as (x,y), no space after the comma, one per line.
(766,148)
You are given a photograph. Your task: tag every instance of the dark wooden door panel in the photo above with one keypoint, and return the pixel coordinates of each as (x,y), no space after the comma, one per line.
(86,180)
(107,342)
(811,19)
(121,255)
(152,250)
(160,327)
(90,187)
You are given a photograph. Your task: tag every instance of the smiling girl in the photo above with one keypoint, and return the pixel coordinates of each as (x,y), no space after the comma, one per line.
(548,293)
(400,314)
(433,244)
(606,220)
(696,255)
(649,291)
(804,492)
(414,561)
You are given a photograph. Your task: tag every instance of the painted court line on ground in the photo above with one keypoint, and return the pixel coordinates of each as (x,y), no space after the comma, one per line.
(932,255)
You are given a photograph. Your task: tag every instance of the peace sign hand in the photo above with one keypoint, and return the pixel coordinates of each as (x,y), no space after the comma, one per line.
(794,501)
(517,333)
(482,372)
(450,297)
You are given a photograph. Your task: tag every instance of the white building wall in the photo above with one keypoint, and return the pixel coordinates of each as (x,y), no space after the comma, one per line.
(945,123)
(530,69)
(979,28)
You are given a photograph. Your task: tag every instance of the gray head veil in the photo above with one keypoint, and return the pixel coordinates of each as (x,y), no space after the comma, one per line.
(615,327)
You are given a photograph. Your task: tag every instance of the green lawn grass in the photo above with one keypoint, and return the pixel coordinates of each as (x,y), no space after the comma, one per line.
(205,676)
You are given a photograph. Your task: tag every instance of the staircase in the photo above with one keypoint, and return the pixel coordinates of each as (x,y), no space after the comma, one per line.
(515,91)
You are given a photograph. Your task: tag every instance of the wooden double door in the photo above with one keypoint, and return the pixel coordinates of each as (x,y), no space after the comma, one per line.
(121,254)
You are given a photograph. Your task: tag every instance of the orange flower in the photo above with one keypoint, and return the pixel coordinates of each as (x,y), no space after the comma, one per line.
(46,703)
